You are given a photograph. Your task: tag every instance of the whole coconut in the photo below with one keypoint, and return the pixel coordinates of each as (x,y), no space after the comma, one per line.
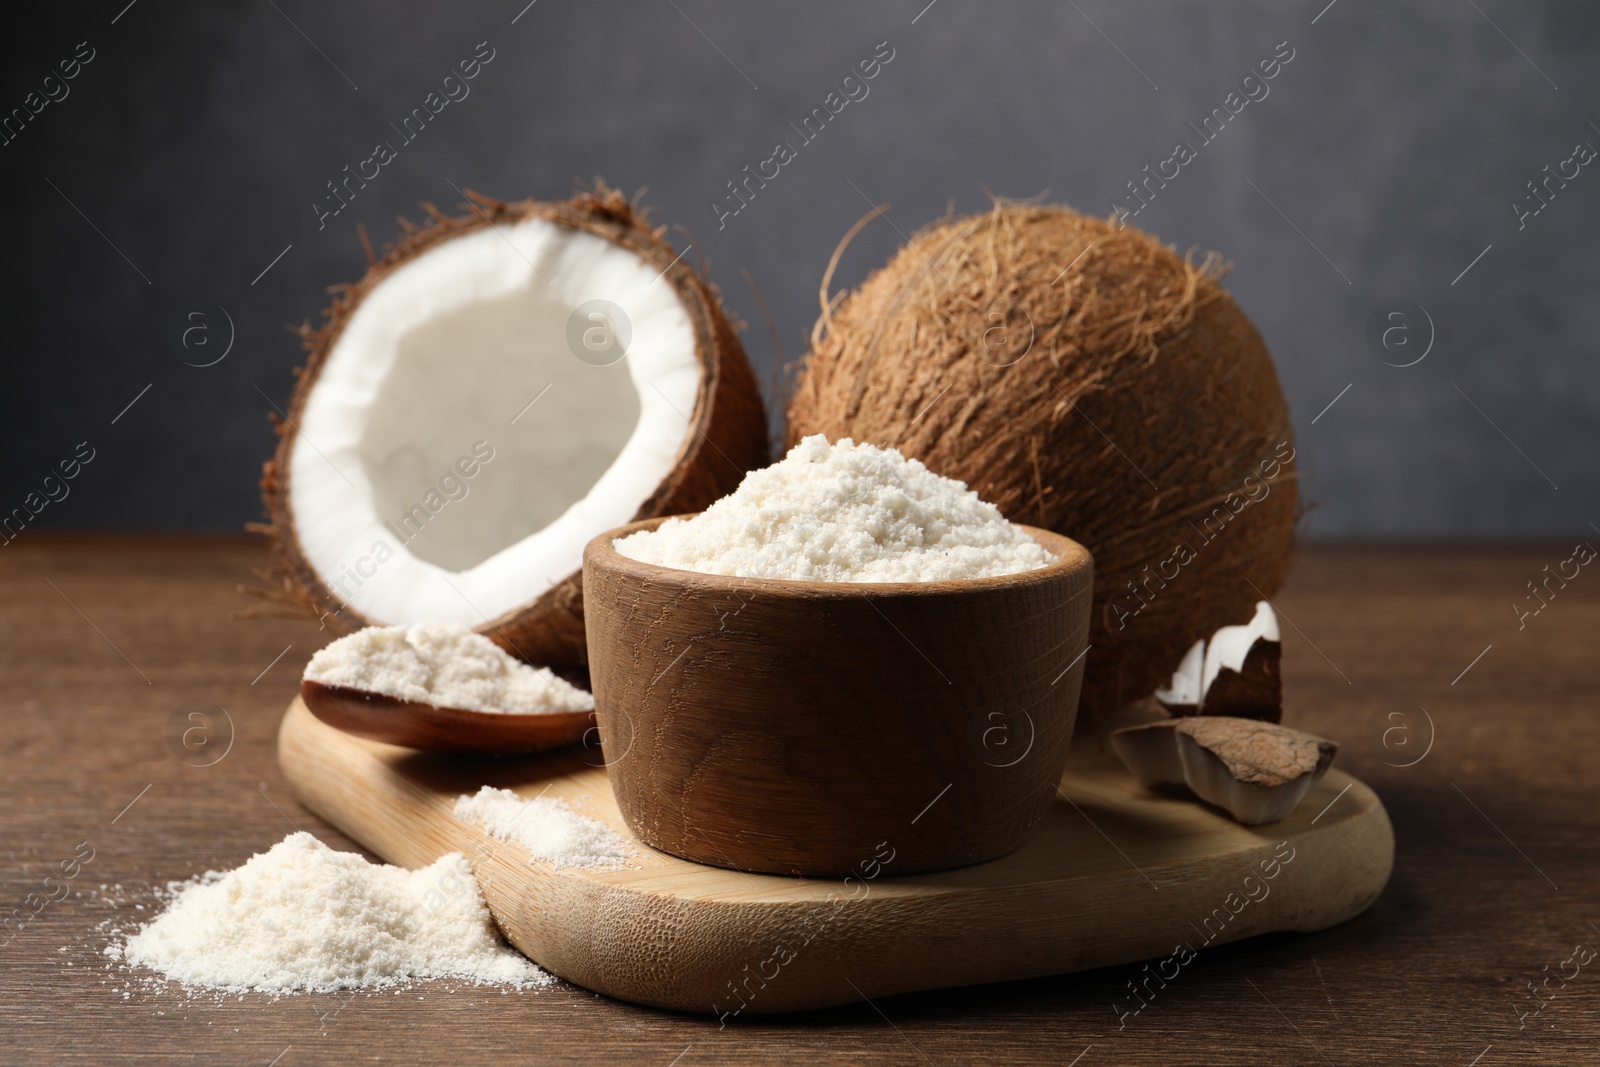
(1084,378)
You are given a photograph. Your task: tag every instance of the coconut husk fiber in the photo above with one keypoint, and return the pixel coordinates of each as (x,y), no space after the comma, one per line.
(1087,379)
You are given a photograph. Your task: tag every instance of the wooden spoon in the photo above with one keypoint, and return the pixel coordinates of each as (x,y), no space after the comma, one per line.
(424,726)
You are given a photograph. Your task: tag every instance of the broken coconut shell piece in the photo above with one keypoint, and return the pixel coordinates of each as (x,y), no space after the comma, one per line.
(1150,751)
(1257,771)
(1235,673)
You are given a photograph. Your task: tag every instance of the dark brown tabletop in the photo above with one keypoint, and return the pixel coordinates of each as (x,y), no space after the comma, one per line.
(1478,728)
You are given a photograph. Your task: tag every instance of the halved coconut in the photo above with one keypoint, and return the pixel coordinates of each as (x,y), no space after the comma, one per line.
(500,388)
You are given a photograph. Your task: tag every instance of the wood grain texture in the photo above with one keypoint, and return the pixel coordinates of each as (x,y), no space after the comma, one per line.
(783,726)
(1434,972)
(676,934)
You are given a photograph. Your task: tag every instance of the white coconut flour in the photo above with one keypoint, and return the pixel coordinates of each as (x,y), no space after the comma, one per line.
(843,513)
(446,665)
(302,917)
(549,828)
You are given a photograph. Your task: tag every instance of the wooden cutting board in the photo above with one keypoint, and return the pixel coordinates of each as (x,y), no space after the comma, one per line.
(1114,875)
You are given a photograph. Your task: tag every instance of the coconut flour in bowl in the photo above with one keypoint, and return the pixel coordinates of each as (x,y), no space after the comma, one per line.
(844,512)
(446,665)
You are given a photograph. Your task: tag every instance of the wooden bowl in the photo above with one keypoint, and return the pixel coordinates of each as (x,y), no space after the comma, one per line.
(430,728)
(828,728)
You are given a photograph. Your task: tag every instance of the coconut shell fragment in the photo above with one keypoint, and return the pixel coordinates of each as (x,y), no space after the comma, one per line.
(1257,771)
(1256,753)
(1235,673)
(1150,751)
(1255,691)
(1084,378)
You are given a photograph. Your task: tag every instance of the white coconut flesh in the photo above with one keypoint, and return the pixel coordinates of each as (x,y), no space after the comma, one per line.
(1185,687)
(448,351)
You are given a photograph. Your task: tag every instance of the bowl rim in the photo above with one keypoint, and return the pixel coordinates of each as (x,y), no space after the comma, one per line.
(1071,558)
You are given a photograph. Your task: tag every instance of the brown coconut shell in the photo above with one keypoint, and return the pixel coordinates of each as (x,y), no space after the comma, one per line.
(1254,691)
(727,435)
(1087,379)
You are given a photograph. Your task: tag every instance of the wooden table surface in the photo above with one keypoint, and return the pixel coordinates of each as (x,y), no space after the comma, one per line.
(108,643)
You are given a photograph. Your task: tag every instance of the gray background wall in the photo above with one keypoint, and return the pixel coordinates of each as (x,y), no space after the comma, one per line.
(199,135)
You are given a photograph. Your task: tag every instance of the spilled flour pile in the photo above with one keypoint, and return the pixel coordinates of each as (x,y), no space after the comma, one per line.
(549,828)
(843,513)
(446,665)
(302,917)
